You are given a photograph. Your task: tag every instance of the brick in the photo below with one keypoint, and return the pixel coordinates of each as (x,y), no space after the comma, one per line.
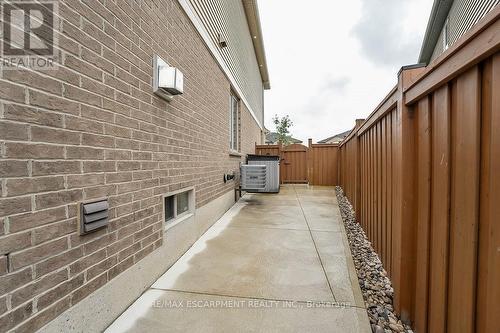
(141,175)
(14,280)
(54,230)
(44,168)
(53,102)
(98,140)
(119,177)
(13,131)
(128,187)
(143,253)
(85,153)
(83,67)
(111,80)
(82,124)
(96,59)
(68,45)
(85,180)
(32,115)
(77,239)
(94,113)
(53,135)
(21,186)
(64,74)
(15,317)
(38,253)
(37,287)
(49,200)
(100,166)
(36,219)
(12,92)
(120,245)
(127,144)
(101,10)
(97,87)
(3,265)
(126,121)
(86,262)
(101,267)
(12,206)
(43,317)
(99,191)
(34,79)
(116,107)
(3,305)
(81,95)
(58,261)
(35,151)
(60,291)
(13,168)
(117,131)
(128,165)
(89,288)
(99,243)
(129,229)
(118,155)
(14,242)
(121,267)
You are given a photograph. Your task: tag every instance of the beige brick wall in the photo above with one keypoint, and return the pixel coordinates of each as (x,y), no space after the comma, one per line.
(93,129)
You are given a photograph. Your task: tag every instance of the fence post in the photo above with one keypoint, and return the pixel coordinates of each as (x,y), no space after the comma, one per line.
(357,177)
(309,162)
(403,246)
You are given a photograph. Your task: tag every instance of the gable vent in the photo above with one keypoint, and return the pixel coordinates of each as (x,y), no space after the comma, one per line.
(93,215)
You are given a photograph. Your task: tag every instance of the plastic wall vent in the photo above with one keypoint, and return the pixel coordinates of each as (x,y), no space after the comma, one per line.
(93,215)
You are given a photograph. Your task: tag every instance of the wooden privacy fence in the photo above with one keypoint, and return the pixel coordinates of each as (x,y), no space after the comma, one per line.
(423,174)
(315,164)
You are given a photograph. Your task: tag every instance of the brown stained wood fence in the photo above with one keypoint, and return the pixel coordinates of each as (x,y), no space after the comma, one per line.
(315,164)
(423,174)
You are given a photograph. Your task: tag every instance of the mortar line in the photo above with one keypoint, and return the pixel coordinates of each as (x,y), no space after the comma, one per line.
(314,243)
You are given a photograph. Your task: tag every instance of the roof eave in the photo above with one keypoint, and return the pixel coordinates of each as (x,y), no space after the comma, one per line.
(437,19)
(253,19)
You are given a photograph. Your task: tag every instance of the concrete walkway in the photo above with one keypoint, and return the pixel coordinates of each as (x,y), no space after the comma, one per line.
(272,263)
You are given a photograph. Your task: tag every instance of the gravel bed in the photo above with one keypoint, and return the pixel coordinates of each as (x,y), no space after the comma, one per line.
(375,285)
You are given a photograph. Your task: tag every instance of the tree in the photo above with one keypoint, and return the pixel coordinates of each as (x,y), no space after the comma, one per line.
(283,125)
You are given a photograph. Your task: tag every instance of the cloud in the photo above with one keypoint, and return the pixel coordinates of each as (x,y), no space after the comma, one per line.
(335,85)
(386,37)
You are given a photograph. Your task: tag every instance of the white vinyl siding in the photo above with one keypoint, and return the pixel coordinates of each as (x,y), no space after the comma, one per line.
(463,15)
(227,17)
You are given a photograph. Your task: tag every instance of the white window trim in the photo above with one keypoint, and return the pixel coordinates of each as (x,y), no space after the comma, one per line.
(231,127)
(184,216)
(446,32)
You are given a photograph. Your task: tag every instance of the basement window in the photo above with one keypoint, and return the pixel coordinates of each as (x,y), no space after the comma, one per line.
(178,206)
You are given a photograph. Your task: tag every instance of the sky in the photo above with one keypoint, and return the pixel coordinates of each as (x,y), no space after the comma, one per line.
(332,61)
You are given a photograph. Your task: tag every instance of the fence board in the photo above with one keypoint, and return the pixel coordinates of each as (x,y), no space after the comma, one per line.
(488,305)
(423,213)
(464,202)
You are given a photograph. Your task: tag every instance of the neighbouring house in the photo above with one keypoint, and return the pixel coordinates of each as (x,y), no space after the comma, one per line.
(335,138)
(105,184)
(272,139)
(449,20)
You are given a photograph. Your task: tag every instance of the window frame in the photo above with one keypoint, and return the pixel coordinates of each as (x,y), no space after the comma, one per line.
(178,218)
(234,126)
(446,33)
